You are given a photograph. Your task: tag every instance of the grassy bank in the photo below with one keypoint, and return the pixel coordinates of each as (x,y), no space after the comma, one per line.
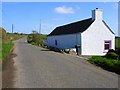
(108,63)
(105,63)
(6,50)
(6,45)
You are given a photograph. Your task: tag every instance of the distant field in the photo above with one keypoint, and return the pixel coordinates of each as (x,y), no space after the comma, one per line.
(14,36)
(117,42)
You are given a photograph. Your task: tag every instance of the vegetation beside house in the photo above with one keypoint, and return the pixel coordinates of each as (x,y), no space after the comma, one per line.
(111,61)
(35,38)
(117,42)
(106,63)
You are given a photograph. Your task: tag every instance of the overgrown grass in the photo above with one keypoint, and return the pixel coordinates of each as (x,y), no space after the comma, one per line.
(6,49)
(108,64)
(14,36)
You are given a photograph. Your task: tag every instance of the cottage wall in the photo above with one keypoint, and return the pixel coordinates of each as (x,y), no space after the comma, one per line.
(64,41)
(94,37)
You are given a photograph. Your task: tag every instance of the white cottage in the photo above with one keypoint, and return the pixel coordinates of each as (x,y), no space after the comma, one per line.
(93,35)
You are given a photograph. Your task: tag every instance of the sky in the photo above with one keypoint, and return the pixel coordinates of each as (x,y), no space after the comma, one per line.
(26,16)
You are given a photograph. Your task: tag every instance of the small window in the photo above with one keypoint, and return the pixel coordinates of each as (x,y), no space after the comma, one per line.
(56,42)
(107,45)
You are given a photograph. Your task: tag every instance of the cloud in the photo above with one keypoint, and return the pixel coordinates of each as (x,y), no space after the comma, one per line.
(64,10)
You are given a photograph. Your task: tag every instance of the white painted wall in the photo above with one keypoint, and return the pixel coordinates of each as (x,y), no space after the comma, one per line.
(93,39)
(64,41)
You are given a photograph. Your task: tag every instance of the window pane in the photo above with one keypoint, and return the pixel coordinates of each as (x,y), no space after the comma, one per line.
(107,45)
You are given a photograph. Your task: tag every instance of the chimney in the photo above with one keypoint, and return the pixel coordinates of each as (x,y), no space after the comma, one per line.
(97,14)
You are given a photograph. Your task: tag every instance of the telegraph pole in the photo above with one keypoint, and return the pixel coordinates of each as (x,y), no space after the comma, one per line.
(12,28)
(40,27)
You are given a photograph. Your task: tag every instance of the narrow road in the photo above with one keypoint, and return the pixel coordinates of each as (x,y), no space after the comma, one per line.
(40,68)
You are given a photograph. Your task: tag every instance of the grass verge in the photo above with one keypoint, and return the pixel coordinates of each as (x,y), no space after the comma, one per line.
(6,50)
(105,63)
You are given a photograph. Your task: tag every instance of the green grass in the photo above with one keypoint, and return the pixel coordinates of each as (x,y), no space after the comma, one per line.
(117,42)
(6,50)
(108,64)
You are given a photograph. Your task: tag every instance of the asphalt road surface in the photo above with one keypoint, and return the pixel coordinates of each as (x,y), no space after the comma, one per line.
(41,68)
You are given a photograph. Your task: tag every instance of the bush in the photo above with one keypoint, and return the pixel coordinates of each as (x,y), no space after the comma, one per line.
(112,54)
(29,38)
(117,51)
(33,43)
(36,38)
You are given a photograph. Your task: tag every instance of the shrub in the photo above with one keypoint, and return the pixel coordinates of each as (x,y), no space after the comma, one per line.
(36,38)
(29,39)
(33,43)
(117,51)
(112,54)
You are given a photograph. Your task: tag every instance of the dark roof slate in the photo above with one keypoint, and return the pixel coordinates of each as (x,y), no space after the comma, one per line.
(71,28)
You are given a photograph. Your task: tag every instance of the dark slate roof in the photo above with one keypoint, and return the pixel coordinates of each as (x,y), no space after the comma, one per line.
(71,28)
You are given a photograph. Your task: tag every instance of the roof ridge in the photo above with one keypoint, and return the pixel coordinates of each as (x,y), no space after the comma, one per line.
(74,22)
(75,27)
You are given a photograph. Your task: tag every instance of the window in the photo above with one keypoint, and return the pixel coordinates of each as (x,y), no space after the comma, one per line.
(107,45)
(56,42)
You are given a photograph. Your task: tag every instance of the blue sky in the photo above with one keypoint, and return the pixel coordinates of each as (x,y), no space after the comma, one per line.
(26,16)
